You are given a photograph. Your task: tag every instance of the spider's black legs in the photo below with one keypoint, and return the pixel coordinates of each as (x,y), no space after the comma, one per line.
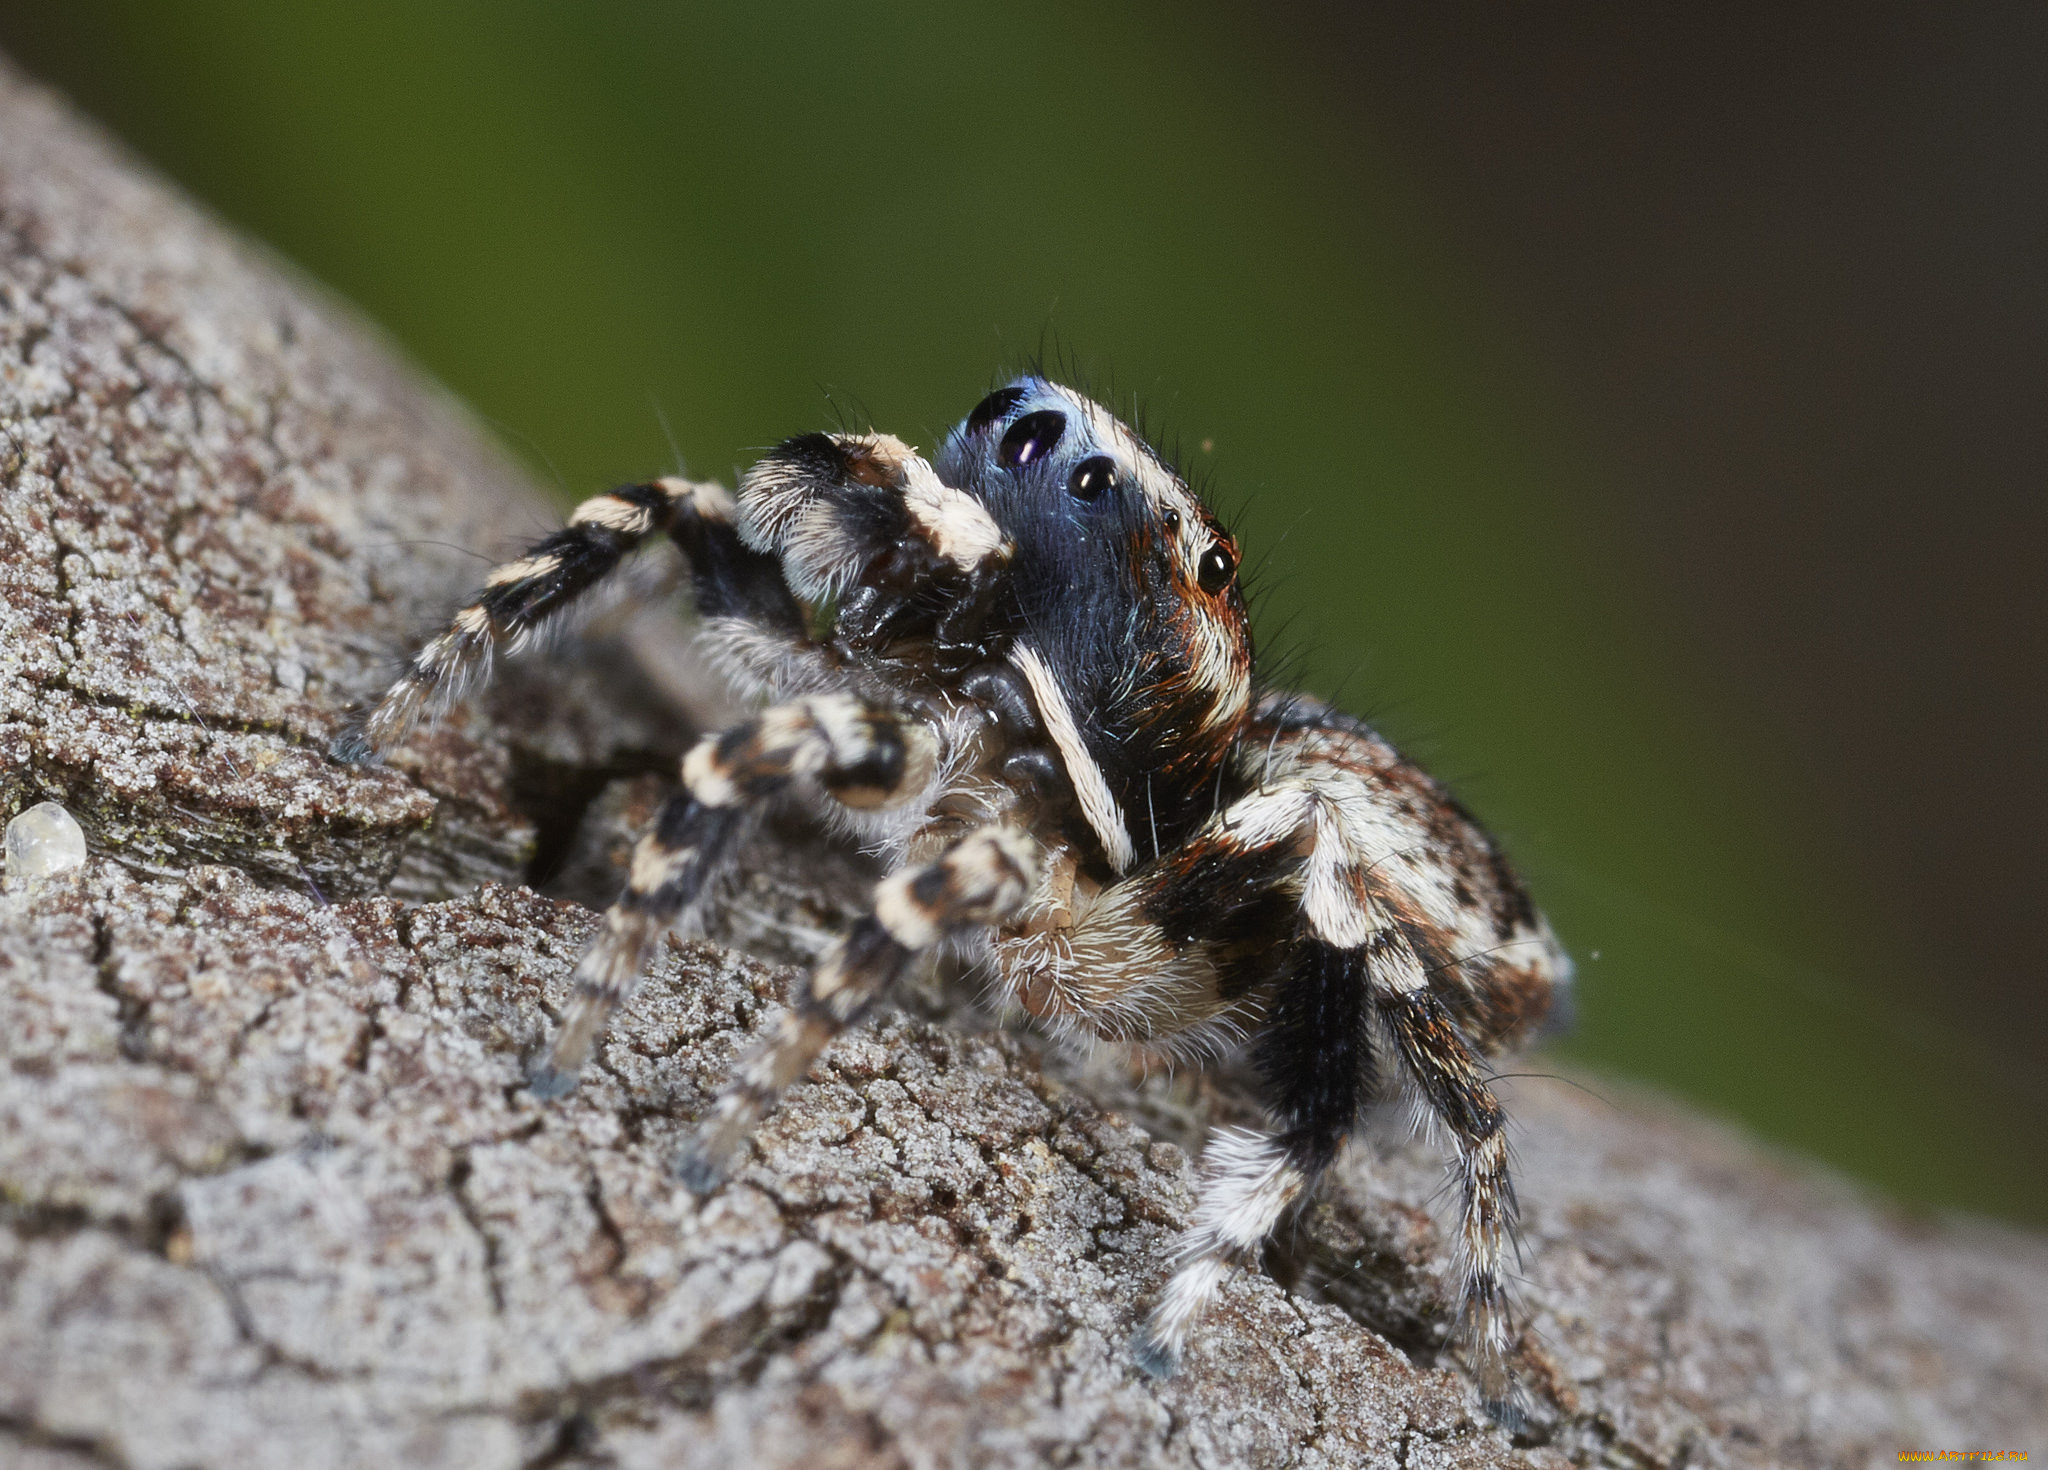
(860,755)
(1354,973)
(1315,1053)
(983,879)
(520,596)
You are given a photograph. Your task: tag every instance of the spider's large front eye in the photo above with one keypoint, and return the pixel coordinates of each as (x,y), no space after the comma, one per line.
(1214,570)
(1031,438)
(993,407)
(1092,478)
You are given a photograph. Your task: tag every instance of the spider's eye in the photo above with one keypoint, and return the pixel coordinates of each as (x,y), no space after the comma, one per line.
(1031,438)
(1214,570)
(1092,477)
(1171,517)
(993,407)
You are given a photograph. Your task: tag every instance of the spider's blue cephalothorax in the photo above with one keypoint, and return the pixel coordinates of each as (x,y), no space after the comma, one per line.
(1123,585)
(1024,675)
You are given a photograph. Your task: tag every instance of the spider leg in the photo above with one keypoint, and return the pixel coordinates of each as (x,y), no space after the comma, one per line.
(983,879)
(1354,972)
(730,579)
(1315,1054)
(859,754)
(520,596)
(1317,1058)
(673,863)
(1248,1184)
(1435,1054)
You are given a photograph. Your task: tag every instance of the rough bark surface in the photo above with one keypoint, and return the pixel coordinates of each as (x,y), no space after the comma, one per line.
(270,1190)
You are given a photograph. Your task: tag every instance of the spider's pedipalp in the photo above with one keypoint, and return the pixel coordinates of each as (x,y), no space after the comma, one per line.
(519,597)
(1098,803)
(861,755)
(864,520)
(981,880)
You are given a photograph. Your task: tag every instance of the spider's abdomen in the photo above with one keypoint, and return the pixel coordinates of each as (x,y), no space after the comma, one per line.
(1405,857)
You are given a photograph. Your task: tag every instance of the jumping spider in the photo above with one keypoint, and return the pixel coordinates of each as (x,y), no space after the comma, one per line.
(1024,676)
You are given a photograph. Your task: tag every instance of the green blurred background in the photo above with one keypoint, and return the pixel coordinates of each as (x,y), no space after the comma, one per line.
(1612,399)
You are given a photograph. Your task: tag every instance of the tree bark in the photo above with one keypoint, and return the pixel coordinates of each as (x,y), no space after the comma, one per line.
(270,1189)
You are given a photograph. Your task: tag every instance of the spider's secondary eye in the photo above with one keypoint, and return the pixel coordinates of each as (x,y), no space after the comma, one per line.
(1213,571)
(1172,519)
(1031,437)
(1092,477)
(993,407)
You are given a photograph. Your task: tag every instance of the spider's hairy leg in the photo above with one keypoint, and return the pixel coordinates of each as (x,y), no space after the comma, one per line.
(1169,954)
(1354,967)
(673,863)
(983,879)
(1248,1184)
(728,578)
(1315,1056)
(859,754)
(518,597)
(1435,1054)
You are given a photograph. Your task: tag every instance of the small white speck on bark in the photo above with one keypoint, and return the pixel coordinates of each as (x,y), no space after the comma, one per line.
(42,841)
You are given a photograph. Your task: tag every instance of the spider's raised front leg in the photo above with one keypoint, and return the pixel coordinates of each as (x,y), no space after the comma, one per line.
(520,597)
(983,879)
(854,752)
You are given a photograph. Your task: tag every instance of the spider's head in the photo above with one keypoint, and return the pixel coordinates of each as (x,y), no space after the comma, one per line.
(1123,583)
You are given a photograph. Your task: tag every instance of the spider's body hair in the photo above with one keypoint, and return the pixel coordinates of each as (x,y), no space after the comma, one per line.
(1033,697)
